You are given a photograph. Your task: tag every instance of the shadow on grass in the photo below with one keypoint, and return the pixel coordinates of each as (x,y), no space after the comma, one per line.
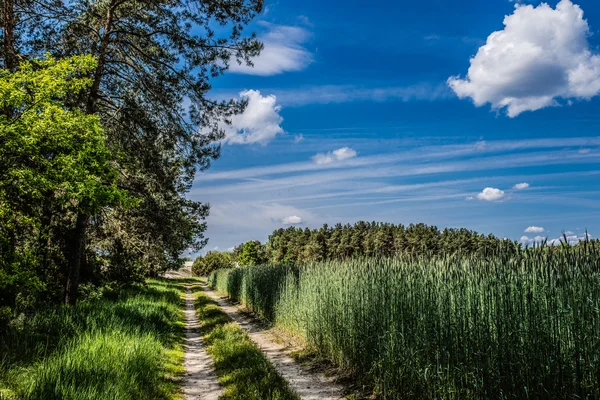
(47,340)
(242,368)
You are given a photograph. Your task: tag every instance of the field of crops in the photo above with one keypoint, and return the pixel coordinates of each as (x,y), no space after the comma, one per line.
(460,327)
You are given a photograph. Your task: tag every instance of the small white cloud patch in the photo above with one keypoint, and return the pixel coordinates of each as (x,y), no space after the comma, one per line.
(491,194)
(337,155)
(534,229)
(541,54)
(291,220)
(521,186)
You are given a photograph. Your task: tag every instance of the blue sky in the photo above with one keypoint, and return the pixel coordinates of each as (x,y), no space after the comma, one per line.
(411,112)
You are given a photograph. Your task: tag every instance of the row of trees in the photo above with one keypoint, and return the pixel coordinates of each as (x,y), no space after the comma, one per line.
(97,150)
(363,239)
(246,254)
(370,239)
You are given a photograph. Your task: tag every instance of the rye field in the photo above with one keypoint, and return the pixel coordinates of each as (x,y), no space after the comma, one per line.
(461,327)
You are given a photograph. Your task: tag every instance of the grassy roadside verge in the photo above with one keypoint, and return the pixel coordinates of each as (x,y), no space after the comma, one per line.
(243,370)
(124,345)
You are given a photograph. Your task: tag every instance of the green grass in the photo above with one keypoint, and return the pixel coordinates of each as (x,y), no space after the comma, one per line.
(126,345)
(460,327)
(243,370)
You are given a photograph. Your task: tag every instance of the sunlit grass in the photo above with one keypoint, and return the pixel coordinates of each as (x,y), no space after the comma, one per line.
(243,370)
(126,346)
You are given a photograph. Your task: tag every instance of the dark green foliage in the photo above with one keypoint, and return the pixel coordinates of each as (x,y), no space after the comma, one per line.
(509,326)
(141,123)
(251,253)
(212,261)
(55,165)
(373,239)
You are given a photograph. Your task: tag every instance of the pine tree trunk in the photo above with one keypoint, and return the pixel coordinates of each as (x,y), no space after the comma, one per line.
(8,20)
(80,232)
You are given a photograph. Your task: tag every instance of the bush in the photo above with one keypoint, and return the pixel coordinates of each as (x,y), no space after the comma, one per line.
(212,261)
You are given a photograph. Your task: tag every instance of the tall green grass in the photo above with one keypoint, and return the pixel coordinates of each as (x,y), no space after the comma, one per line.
(126,345)
(243,369)
(525,327)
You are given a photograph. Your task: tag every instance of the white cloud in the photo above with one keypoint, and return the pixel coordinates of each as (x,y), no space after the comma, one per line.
(571,238)
(469,198)
(298,138)
(291,220)
(521,186)
(528,240)
(283,52)
(534,229)
(491,194)
(541,55)
(344,153)
(335,94)
(259,123)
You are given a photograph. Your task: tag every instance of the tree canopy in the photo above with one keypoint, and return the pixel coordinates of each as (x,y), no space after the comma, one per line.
(96,191)
(374,239)
(213,260)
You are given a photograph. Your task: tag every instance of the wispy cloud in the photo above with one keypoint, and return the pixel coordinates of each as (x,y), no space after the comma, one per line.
(283,51)
(331,94)
(421,178)
(521,186)
(402,164)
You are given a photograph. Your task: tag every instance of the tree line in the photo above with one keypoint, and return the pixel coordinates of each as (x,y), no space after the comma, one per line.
(295,245)
(105,119)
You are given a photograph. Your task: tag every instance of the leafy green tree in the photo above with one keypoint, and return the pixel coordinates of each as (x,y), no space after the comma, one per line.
(55,165)
(212,261)
(252,253)
(149,86)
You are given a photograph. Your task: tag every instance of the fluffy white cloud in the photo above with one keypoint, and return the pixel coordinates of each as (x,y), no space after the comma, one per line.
(534,229)
(282,52)
(337,155)
(521,186)
(491,194)
(541,54)
(292,220)
(259,123)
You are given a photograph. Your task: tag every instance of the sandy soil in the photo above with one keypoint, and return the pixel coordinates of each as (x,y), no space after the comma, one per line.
(200,382)
(309,385)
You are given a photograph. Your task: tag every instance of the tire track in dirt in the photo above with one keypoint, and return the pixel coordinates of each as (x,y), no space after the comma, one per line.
(308,385)
(201,381)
